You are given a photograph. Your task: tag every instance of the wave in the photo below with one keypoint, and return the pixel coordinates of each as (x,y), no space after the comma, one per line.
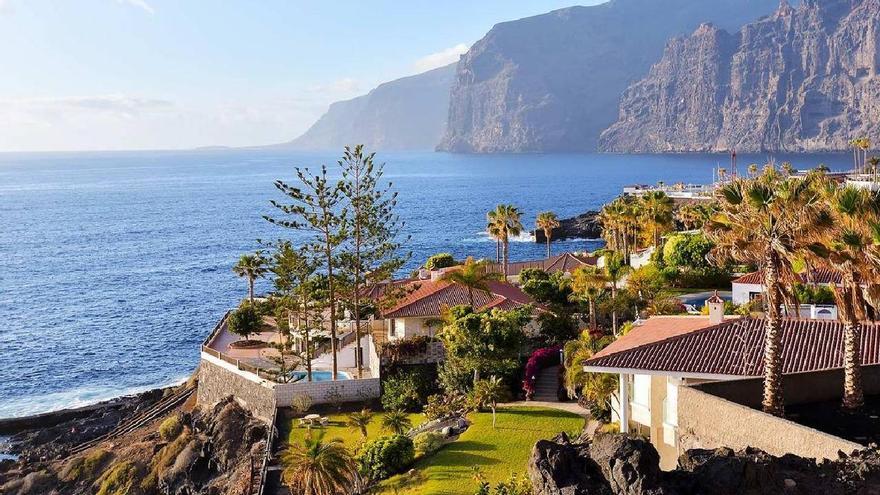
(78,397)
(484,237)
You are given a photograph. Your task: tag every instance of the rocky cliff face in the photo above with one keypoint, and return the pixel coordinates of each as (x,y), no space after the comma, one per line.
(802,79)
(406,114)
(553,82)
(625,465)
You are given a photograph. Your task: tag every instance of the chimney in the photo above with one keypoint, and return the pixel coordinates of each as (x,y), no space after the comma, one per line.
(716,309)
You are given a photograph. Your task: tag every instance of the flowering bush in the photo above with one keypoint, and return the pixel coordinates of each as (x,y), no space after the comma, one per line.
(397,350)
(540,359)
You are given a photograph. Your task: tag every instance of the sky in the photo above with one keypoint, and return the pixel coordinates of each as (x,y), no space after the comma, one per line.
(171,74)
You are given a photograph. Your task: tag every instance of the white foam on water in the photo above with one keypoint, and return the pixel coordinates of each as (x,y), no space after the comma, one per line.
(78,397)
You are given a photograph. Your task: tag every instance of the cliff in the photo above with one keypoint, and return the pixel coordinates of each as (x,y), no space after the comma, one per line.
(803,79)
(553,82)
(405,114)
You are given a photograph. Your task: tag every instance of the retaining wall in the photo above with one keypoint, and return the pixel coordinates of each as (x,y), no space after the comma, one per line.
(219,380)
(706,422)
(323,392)
(435,353)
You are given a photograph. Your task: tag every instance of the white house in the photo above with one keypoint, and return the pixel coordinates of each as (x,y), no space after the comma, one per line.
(751,286)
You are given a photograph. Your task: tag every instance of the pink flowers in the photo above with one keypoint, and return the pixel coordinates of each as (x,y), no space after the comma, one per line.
(540,359)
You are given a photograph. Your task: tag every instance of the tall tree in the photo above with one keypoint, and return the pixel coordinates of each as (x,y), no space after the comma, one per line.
(594,389)
(371,253)
(316,209)
(473,275)
(767,221)
(506,221)
(547,221)
(843,237)
(251,267)
(318,467)
(587,284)
(293,271)
(615,268)
(657,214)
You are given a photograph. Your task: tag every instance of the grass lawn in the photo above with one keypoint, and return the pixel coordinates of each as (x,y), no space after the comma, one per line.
(496,452)
(337,428)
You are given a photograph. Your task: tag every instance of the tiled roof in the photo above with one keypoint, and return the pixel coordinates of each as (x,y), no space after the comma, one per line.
(818,276)
(428,298)
(655,329)
(735,348)
(565,262)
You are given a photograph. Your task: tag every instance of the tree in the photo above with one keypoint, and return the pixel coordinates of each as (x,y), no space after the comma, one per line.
(252,267)
(587,284)
(547,221)
(245,321)
(767,221)
(372,228)
(360,420)
(316,467)
(440,260)
(294,270)
(615,268)
(594,388)
(505,221)
(396,422)
(621,226)
(844,236)
(657,215)
(316,209)
(487,393)
(473,275)
(481,342)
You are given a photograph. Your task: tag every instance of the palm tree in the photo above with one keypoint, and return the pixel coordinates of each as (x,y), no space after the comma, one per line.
(592,387)
(505,221)
(316,467)
(844,238)
(620,225)
(360,420)
(473,275)
(396,422)
(657,214)
(251,266)
(614,269)
(487,393)
(587,284)
(547,221)
(767,221)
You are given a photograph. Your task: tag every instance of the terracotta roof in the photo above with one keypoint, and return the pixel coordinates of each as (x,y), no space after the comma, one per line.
(565,262)
(818,276)
(655,329)
(427,298)
(735,348)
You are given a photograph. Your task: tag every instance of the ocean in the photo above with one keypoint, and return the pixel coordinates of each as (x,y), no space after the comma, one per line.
(114,266)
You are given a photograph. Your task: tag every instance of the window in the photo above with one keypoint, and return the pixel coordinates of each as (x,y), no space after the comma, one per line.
(392,331)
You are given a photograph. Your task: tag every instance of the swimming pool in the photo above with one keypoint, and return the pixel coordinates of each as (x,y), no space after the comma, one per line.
(320,376)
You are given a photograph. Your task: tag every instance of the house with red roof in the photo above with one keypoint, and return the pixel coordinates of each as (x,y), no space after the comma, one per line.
(565,263)
(419,309)
(662,363)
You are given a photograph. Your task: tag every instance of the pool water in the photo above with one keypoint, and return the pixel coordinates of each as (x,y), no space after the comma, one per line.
(320,376)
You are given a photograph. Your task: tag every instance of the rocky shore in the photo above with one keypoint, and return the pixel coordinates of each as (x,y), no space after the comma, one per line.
(628,465)
(583,226)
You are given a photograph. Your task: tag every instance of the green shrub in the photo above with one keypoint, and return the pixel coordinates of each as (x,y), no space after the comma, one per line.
(85,468)
(301,403)
(444,406)
(408,389)
(245,320)
(440,260)
(386,456)
(120,479)
(170,428)
(428,442)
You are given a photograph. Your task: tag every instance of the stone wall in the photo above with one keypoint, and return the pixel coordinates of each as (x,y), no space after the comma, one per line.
(707,421)
(218,380)
(435,353)
(323,392)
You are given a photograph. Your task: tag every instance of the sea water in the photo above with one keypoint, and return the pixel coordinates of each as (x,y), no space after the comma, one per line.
(114,266)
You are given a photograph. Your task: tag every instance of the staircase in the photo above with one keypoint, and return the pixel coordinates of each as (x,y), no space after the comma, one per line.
(144,418)
(547,385)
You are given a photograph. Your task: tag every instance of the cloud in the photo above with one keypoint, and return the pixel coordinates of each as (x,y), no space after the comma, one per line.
(441,58)
(113,106)
(141,4)
(342,86)
(6,7)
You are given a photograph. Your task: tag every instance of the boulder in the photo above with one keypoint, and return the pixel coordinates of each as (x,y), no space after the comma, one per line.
(560,467)
(630,464)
